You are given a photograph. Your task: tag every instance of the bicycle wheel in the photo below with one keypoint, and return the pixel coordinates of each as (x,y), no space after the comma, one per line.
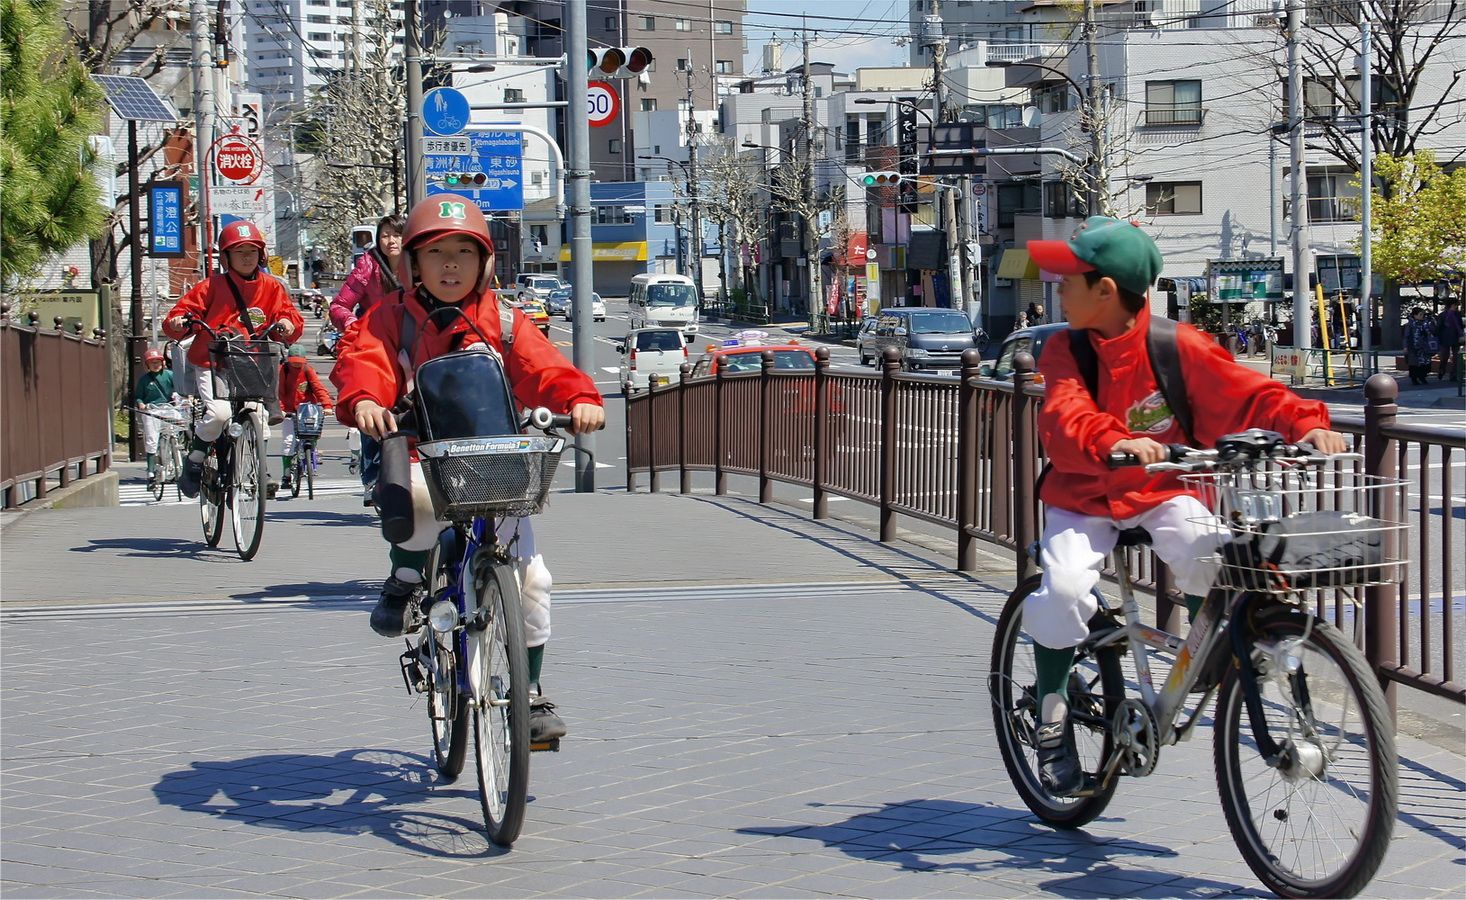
(310,472)
(448,708)
(174,464)
(211,495)
(498,679)
(1316,822)
(1095,691)
(981,342)
(297,472)
(160,469)
(247,493)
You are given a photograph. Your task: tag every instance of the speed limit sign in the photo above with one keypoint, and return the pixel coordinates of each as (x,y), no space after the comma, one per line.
(605,105)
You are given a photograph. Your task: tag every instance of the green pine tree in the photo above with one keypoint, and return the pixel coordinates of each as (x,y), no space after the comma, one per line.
(49,200)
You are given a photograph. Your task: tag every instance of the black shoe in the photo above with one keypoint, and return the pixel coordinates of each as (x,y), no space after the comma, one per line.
(544,724)
(1058,761)
(188,479)
(392,616)
(285,483)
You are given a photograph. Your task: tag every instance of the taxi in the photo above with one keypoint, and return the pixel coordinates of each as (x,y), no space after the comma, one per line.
(744,353)
(535,312)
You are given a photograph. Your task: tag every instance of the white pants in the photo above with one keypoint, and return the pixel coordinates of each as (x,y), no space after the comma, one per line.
(216,407)
(287,436)
(534,577)
(152,427)
(1184,534)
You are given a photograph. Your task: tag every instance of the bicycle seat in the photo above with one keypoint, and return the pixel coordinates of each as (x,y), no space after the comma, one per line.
(1133,537)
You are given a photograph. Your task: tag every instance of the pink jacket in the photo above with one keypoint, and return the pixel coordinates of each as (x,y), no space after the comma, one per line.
(365,287)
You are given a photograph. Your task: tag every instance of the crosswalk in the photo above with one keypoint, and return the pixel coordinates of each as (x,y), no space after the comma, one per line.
(139,495)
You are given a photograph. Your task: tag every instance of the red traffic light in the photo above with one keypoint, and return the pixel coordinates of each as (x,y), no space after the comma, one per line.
(618,62)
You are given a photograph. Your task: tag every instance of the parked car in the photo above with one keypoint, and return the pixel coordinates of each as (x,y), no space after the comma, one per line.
(651,354)
(865,341)
(597,309)
(535,287)
(744,353)
(929,339)
(1029,339)
(558,303)
(535,312)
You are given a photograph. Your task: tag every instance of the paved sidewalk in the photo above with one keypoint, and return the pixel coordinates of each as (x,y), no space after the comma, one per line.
(761,705)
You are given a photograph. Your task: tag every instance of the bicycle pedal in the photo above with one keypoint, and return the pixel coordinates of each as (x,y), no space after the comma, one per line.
(552,745)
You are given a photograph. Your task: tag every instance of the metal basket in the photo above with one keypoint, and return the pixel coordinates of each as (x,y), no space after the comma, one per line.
(308,420)
(489,477)
(1293,527)
(168,414)
(248,370)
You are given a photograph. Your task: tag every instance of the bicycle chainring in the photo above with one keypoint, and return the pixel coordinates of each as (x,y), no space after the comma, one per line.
(1136,738)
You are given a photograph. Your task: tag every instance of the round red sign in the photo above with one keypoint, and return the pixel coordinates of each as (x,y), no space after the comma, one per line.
(238,159)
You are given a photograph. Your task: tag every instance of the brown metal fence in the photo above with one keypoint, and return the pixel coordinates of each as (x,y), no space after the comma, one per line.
(56,421)
(959,451)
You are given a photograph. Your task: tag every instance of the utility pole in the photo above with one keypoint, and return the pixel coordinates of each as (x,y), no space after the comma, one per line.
(1366,179)
(577,137)
(956,268)
(1302,256)
(692,187)
(417,176)
(811,255)
(1096,168)
(203,117)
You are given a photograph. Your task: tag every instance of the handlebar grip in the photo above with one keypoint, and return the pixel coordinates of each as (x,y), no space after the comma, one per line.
(1122,460)
(394,489)
(544,420)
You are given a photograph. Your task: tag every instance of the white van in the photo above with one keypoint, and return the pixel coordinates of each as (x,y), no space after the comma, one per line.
(663,301)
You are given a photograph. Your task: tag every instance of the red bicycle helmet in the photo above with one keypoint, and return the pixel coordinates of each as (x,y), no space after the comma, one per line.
(241,232)
(152,354)
(435,217)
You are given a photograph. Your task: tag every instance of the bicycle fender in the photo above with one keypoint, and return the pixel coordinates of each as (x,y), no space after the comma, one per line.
(1247,672)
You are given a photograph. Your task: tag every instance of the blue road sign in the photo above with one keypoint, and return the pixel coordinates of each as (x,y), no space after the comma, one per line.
(497,154)
(165,219)
(445,111)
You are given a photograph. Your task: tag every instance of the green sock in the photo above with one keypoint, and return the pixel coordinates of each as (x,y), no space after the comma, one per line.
(1053,670)
(1193,606)
(536,663)
(289,462)
(152,464)
(414,560)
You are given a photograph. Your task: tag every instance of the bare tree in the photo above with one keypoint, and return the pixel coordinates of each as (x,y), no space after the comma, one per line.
(795,191)
(733,200)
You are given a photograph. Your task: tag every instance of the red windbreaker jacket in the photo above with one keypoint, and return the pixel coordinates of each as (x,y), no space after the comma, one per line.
(1078,432)
(539,374)
(212,301)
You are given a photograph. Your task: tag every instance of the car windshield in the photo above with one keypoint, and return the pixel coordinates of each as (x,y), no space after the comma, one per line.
(753,362)
(670,295)
(659,340)
(950,322)
(539,283)
(560,294)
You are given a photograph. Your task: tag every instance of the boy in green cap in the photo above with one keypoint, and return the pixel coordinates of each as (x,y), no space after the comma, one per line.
(1108,267)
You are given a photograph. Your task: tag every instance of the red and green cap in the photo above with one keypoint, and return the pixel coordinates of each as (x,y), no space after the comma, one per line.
(1108,246)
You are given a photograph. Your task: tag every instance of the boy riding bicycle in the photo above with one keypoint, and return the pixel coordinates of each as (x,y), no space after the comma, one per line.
(1108,268)
(447,261)
(298,384)
(243,300)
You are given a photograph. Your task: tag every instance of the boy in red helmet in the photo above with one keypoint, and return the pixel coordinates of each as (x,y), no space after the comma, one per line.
(447,260)
(1108,268)
(298,384)
(153,386)
(242,300)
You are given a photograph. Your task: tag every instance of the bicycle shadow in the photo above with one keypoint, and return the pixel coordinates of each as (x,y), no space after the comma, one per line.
(925,835)
(322,516)
(155,547)
(379,792)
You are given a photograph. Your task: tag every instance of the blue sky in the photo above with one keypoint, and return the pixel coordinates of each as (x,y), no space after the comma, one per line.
(839,30)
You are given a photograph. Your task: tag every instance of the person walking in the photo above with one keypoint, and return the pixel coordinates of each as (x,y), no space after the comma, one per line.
(1420,346)
(1449,333)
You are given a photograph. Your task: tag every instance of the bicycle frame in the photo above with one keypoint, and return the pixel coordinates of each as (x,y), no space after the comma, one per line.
(474,546)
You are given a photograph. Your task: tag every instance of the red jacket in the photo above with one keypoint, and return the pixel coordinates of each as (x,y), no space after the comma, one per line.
(213,301)
(369,370)
(301,385)
(1078,433)
(365,287)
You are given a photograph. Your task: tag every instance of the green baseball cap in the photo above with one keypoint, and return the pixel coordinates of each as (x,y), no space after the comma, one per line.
(1107,246)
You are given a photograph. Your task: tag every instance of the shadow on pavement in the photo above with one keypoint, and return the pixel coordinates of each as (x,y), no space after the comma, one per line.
(324,517)
(158,547)
(331,591)
(928,835)
(378,792)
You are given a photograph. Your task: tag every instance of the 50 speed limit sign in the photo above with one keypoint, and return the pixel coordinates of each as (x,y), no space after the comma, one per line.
(605,105)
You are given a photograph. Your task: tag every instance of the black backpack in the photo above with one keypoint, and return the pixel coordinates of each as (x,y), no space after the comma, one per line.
(1165,364)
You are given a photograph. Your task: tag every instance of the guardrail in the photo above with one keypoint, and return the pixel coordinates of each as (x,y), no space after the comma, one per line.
(56,420)
(958,451)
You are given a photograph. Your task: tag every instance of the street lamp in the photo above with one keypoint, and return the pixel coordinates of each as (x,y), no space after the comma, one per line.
(396,183)
(1091,100)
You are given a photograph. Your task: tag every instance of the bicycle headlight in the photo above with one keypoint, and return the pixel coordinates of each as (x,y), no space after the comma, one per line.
(236,429)
(443,616)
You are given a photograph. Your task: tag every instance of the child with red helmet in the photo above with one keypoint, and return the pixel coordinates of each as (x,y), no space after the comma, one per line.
(240,300)
(153,386)
(299,384)
(447,260)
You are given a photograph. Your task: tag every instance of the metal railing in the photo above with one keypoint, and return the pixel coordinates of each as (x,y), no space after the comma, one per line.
(961,451)
(56,420)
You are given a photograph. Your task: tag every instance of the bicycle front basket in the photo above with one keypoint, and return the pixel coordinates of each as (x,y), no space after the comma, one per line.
(488,477)
(249,370)
(308,420)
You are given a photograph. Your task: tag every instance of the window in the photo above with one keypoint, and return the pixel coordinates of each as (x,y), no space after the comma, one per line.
(662,214)
(999,115)
(1015,198)
(683,64)
(318,36)
(318,20)
(723,26)
(613,145)
(513,95)
(1062,201)
(536,177)
(1331,198)
(1173,198)
(648,104)
(648,23)
(684,25)
(611,24)
(723,67)
(1054,97)
(1173,103)
(852,140)
(1319,101)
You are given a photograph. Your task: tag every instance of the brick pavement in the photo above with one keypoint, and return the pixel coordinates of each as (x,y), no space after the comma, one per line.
(761,706)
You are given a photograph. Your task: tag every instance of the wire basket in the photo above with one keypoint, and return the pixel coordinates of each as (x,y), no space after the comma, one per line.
(168,414)
(309,418)
(248,370)
(1293,527)
(489,477)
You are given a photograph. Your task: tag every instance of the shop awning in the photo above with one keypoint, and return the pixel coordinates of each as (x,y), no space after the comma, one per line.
(1017,263)
(614,251)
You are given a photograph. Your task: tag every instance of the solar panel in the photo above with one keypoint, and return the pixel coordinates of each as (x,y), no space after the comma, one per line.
(133,98)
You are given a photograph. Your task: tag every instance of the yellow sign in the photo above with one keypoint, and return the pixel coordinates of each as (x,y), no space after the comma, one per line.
(613,251)
(71,306)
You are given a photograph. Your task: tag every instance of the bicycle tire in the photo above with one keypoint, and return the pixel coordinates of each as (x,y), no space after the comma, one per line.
(1015,715)
(310,474)
(158,481)
(1358,792)
(297,474)
(448,708)
(982,342)
(211,495)
(247,491)
(498,677)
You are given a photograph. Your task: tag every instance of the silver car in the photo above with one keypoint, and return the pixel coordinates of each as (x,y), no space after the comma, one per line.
(536,287)
(865,341)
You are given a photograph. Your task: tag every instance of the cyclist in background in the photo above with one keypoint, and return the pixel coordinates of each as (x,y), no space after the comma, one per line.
(1108,268)
(448,256)
(153,386)
(243,300)
(298,384)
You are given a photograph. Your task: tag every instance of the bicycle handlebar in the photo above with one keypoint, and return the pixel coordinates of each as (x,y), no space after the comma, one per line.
(1238,449)
(193,323)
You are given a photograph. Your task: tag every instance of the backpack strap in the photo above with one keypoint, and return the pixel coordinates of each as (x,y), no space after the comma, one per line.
(506,326)
(1163,346)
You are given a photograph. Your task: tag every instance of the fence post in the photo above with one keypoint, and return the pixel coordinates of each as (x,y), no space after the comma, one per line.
(684,372)
(654,477)
(720,415)
(821,430)
(1382,601)
(967,444)
(630,477)
(1025,519)
(765,435)
(890,365)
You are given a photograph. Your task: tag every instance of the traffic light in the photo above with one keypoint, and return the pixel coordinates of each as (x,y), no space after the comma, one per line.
(880,179)
(618,62)
(464,180)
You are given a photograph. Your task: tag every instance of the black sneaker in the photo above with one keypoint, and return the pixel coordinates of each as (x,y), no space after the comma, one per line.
(188,479)
(544,724)
(392,616)
(1058,761)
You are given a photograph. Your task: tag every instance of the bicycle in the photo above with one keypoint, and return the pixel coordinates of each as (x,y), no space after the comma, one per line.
(174,418)
(482,474)
(245,372)
(308,421)
(981,340)
(1303,745)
